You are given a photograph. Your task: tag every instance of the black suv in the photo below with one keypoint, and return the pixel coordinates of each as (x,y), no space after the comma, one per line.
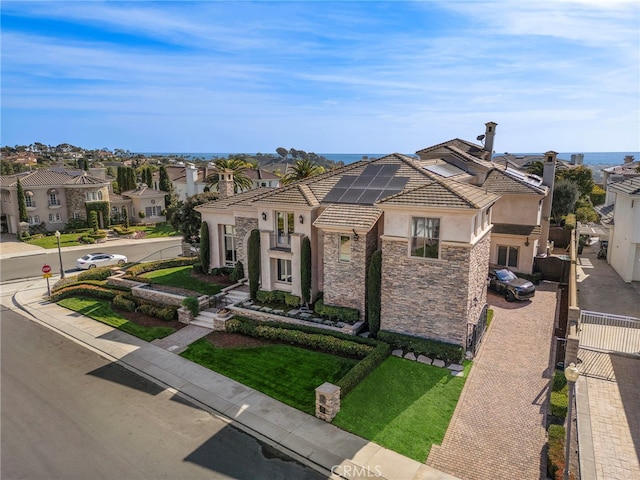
(503,280)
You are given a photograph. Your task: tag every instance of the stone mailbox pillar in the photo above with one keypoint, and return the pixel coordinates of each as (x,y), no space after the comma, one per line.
(327,401)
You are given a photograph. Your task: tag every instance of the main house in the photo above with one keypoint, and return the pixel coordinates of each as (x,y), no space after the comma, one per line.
(431,217)
(56,196)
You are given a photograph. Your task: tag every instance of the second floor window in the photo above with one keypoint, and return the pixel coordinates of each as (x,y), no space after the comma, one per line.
(345,248)
(285,228)
(53,199)
(425,237)
(28,199)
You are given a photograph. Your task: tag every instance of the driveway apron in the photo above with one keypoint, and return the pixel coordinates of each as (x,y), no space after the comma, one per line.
(498,427)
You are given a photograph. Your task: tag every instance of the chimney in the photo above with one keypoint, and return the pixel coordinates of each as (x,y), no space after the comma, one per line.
(489,135)
(577,158)
(628,159)
(548,179)
(225,184)
(191,174)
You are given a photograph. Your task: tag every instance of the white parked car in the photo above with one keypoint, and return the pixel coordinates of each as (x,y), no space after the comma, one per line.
(93,260)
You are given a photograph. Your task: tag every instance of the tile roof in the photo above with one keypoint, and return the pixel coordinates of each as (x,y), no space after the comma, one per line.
(463,145)
(630,186)
(143,191)
(311,191)
(46,178)
(443,193)
(511,229)
(606,213)
(508,181)
(360,217)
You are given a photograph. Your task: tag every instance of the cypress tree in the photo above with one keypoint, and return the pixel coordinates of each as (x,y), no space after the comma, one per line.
(125,218)
(205,251)
(148,177)
(374,279)
(165,185)
(305,270)
(22,204)
(93,220)
(253,253)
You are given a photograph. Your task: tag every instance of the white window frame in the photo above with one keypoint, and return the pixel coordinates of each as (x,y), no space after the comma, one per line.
(283,267)
(55,218)
(29,202)
(424,235)
(344,248)
(229,239)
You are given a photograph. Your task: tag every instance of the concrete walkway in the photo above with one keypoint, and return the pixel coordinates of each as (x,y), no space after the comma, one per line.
(322,446)
(608,391)
(498,428)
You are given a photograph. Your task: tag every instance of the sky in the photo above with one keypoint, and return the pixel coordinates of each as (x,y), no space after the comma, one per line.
(325,77)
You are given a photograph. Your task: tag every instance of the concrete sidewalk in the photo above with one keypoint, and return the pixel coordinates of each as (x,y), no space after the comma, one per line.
(322,446)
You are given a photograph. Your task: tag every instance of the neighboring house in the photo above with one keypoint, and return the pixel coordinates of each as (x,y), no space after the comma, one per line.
(143,204)
(434,234)
(56,196)
(189,180)
(624,231)
(610,175)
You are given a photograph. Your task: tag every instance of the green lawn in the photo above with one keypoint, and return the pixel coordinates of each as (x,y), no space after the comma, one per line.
(181,277)
(50,241)
(163,229)
(101,311)
(403,405)
(287,373)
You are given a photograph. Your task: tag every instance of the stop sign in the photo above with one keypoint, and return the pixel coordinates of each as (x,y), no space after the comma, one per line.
(46,268)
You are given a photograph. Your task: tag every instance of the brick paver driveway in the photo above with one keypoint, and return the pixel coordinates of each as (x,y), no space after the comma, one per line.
(498,428)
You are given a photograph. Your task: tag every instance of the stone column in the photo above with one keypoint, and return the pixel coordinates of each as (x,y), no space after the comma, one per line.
(327,401)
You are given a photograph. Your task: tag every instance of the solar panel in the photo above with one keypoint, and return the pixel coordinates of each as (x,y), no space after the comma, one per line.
(444,169)
(375,182)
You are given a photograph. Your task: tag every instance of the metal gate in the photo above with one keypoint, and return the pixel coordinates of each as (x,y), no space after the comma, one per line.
(475,331)
(609,333)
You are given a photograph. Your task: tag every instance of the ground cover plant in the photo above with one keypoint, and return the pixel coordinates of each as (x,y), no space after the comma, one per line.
(182,277)
(287,373)
(403,405)
(101,311)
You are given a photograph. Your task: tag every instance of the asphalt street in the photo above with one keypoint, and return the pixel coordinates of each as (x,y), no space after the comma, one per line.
(68,413)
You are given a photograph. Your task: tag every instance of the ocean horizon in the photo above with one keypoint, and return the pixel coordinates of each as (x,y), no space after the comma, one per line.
(591,159)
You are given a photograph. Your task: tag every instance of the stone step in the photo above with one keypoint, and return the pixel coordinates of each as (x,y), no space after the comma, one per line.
(200,321)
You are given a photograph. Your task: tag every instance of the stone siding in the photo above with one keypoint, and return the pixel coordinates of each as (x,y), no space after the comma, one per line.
(244,226)
(426,298)
(345,282)
(478,273)
(75,202)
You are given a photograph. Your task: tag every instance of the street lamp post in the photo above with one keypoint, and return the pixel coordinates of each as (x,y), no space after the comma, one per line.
(60,254)
(571,373)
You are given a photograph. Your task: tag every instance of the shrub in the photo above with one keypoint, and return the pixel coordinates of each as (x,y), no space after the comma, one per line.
(141,268)
(253,254)
(238,272)
(555,455)
(124,303)
(305,269)
(162,312)
(570,222)
(75,224)
(274,296)
(93,220)
(83,291)
(559,381)
(344,314)
(291,300)
(192,304)
(431,348)
(559,404)
(87,239)
(535,277)
(374,287)
(363,368)
(99,273)
(222,271)
(586,214)
(99,234)
(205,248)
(121,230)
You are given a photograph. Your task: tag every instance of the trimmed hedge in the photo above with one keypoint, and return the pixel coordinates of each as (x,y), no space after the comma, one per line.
(570,222)
(120,301)
(559,404)
(292,300)
(99,273)
(431,348)
(162,312)
(534,277)
(363,368)
(344,314)
(141,268)
(70,281)
(274,296)
(83,291)
(555,454)
(192,304)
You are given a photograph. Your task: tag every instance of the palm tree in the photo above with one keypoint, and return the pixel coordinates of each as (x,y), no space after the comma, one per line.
(537,168)
(238,166)
(301,169)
